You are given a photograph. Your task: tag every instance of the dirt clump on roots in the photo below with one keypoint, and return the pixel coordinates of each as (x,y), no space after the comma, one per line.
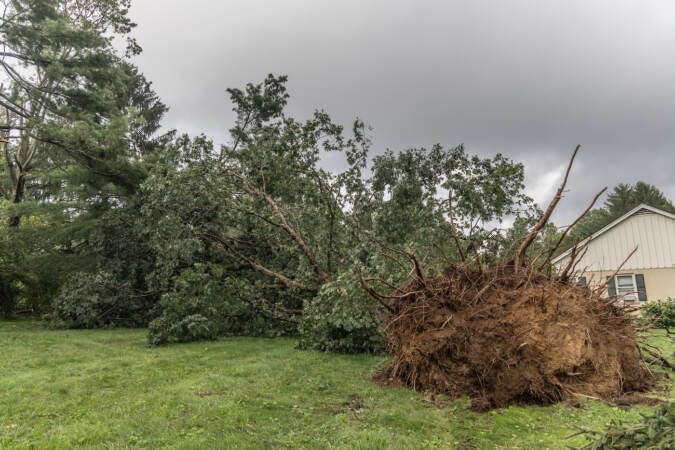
(502,340)
(516,331)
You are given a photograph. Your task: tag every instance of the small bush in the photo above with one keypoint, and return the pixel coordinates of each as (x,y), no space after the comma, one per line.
(342,318)
(190,311)
(8,294)
(663,311)
(205,303)
(192,327)
(96,300)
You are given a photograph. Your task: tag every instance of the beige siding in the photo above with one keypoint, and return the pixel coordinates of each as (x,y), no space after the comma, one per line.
(653,234)
(659,283)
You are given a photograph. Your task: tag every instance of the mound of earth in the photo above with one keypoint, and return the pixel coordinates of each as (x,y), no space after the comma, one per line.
(503,337)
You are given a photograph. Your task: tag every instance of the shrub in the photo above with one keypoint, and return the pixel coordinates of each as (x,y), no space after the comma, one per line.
(205,303)
(191,327)
(663,311)
(96,300)
(342,318)
(8,294)
(190,311)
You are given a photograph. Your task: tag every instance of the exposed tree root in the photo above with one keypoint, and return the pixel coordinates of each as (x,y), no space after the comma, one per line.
(514,332)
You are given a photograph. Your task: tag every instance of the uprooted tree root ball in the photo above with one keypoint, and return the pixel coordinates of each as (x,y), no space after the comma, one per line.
(517,331)
(504,339)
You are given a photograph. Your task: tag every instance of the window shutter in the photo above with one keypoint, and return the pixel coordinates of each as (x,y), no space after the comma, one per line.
(611,286)
(640,282)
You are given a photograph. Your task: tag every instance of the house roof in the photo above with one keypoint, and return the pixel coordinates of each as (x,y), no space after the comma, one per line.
(632,212)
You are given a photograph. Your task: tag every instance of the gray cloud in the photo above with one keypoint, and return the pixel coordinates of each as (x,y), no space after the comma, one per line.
(529,79)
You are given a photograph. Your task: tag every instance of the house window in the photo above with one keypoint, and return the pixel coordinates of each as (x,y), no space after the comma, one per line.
(626,289)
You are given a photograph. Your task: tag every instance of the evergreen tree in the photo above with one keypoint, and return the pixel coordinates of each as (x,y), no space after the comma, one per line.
(63,95)
(625,197)
(78,128)
(620,200)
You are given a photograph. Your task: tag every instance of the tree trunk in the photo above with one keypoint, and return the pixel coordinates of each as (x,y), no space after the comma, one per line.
(17,197)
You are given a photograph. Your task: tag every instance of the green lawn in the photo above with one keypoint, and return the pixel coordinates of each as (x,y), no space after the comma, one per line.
(106,389)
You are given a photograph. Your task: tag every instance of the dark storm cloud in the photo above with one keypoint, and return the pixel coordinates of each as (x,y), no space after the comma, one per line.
(529,79)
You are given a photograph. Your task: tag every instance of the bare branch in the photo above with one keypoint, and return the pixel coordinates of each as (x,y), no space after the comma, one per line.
(418,269)
(453,229)
(584,250)
(373,293)
(258,266)
(517,259)
(567,230)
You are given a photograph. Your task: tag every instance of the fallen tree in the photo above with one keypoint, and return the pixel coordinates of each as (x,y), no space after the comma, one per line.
(516,331)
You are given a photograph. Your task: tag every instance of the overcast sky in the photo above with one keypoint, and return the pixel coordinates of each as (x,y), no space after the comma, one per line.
(529,79)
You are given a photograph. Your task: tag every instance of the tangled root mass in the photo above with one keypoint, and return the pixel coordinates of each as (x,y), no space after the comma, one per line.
(501,339)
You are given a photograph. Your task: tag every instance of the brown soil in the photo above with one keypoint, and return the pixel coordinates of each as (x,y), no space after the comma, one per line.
(503,337)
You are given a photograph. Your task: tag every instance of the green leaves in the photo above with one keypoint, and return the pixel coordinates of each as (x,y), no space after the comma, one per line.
(407,186)
(342,318)
(655,432)
(205,302)
(620,200)
(79,122)
(662,313)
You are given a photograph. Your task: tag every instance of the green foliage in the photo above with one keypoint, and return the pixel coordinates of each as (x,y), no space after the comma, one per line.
(654,432)
(205,304)
(11,262)
(406,206)
(66,93)
(96,300)
(192,311)
(595,220)
(81,122)
(238,241)
(663,312)
(238,211)
(10,274)
(620,200)
(625,197)
(232,241)
(342,318)
(281,205)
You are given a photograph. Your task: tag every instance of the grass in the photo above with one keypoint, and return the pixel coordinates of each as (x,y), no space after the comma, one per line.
(106,389)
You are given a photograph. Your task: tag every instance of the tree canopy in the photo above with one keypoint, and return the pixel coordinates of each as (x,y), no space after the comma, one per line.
(76,122)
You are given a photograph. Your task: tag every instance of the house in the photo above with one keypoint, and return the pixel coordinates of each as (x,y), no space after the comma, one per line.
(647,275)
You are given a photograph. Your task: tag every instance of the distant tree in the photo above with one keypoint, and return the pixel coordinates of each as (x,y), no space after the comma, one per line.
(620,200)
(625,197)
